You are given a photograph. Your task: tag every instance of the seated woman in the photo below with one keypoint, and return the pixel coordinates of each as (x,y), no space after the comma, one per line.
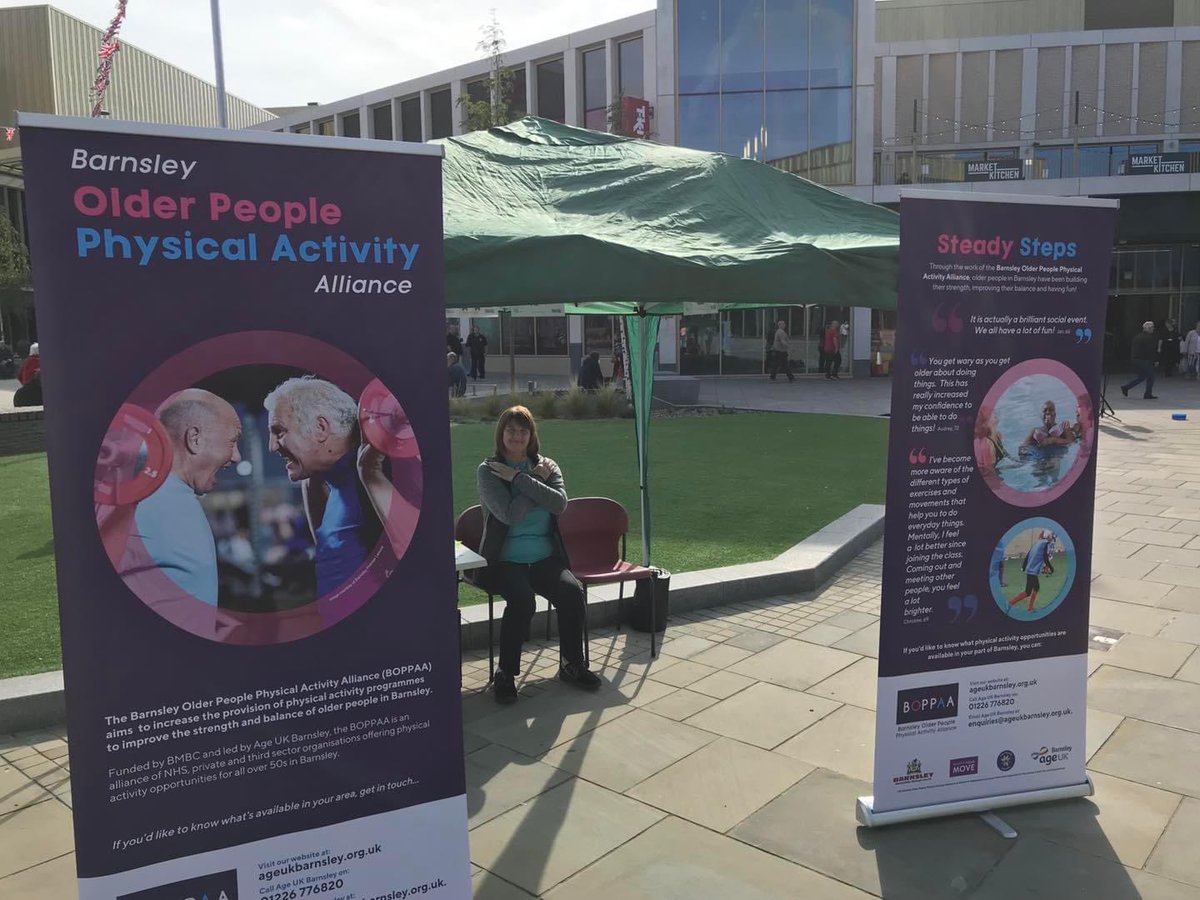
(522,495)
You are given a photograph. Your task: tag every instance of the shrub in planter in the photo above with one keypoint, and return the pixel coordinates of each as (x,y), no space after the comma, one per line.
(576,404)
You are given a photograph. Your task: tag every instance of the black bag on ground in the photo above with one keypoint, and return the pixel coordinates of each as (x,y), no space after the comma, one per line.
(651,594)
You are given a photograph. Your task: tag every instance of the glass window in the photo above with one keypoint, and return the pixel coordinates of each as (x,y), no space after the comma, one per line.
(831,46)
(1191,267)
(699,345)
(741,125)
(595,90)
(551,95)
(699,46)
(1093,162)
(478,91)
(598,335)
(517,100)
(787,44)
(551,335)
(741,45)
(787,124)
(410,120)
(831,119)
(381,122)
(325,127)
(517,335)
(631,79)
(301,129)
(441,113)
(351,126)
(700,122)
(1048,162)
(489,327)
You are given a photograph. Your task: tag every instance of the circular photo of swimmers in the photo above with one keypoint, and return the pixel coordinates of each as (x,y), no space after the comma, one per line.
(257,488)
(1034,432)
(1032,569)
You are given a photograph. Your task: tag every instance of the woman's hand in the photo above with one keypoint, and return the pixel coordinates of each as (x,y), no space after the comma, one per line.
(370,463)
(500,470)
(542,470)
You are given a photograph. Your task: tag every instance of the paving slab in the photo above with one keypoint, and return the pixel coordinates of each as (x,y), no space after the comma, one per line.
(1100,727)
(1129,590)
(764,715)
(486,886)
(1128,617)
(722,684)
(540,843)
(1038,868)
(794,664)
(813,824)
(1167,573)
(864,642)
(499,779)
(628,750)
(754,641)
(1154,755)
(33,835)
(857,684)
(1151,698)
(18,790)
(676,860)
(683,673)
(1184,626)
(533,725)
(721,784)
(1185,599)
(843,742)
(1175,855)
(1123,823)
(1156,656)
(52,880)
(1190,670)
(680,704)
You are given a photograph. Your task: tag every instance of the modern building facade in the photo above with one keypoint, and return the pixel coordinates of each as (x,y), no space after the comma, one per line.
(1059,98)
(48,63)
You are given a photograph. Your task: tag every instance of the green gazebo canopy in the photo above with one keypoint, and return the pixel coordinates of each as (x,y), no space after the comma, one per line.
(537,212)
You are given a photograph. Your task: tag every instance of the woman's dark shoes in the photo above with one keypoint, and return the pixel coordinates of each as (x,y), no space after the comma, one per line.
(579,675)
(504,687)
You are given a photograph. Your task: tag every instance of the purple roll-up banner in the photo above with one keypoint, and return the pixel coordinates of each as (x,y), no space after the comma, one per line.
(249,450)
(996,392)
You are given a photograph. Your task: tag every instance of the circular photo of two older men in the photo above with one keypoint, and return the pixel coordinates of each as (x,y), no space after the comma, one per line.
(258,488)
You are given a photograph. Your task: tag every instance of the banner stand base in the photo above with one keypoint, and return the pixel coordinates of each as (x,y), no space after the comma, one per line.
(1001,827)
(866,814)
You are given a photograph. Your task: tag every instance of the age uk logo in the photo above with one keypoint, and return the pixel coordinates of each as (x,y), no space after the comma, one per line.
(938,701)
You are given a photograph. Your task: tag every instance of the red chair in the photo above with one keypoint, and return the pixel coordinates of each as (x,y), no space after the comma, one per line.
(594,531)
(469,530)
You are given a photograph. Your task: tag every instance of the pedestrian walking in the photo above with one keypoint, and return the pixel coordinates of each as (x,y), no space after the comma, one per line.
(1191,351)
(1168,348)
(832,345)
(780,349)
(1145,349)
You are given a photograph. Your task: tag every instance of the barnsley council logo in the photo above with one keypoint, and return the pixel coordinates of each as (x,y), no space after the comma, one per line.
(913,774)
(217,886)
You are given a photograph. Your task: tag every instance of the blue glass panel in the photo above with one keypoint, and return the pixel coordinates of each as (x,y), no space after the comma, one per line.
(699,46)
(1093,162)
(787,44)
(741,45)
(831,46)
(832,117)
(787,124)
(629,69)
(742,125)
(700,122)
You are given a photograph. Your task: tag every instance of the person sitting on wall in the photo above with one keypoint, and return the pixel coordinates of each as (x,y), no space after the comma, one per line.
(457,375)
(591,378)
(32,366)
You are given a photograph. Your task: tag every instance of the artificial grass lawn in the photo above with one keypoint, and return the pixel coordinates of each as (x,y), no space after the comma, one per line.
(1051,585)
(724,490)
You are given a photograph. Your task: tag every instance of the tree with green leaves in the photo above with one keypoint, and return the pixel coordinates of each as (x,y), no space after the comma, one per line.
(14,257)
(14,264)
(479,115)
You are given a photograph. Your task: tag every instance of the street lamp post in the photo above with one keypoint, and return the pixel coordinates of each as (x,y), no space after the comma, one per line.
(219,60)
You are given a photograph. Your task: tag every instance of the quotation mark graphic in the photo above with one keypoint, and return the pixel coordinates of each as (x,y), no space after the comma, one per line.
(917,457)
(942,322)
(1083,335)
(956,605)
(919,360)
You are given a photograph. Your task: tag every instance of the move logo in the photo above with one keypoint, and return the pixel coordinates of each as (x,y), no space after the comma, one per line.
(938,701)
(1048,756)
(967,765)
(217,886)
(913,773)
